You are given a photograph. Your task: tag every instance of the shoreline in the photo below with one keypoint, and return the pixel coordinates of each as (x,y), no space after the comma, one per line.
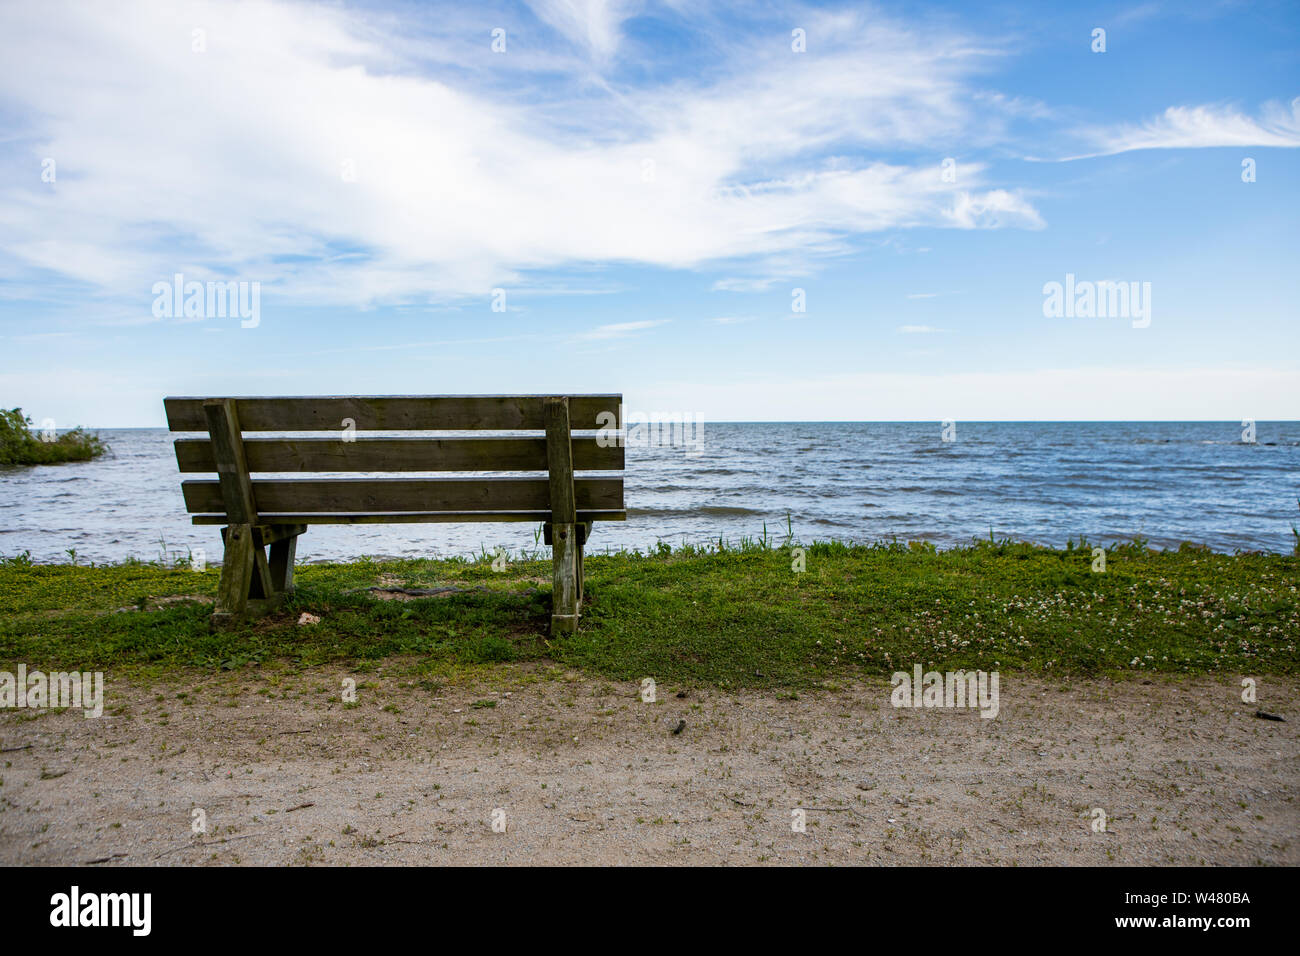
(740,543)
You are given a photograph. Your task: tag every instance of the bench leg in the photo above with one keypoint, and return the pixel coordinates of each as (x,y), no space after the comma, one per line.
(237,565)
(248,580)
(565,562)
(282,555)
(581,583)
(584,532)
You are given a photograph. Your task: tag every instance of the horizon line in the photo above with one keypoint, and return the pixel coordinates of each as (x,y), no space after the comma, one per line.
(854,421)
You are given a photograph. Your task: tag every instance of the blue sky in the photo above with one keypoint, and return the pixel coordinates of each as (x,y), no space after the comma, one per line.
(648,184)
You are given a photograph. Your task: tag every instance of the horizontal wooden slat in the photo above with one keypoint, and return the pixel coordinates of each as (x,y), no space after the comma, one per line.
(194,455)
(392,412)
(420,517)
(375,495)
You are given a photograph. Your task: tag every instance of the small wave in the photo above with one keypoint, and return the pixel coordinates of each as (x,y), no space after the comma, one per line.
(716,511)
(659,489)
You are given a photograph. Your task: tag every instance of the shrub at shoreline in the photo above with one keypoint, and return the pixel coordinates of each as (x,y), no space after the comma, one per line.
(18,446)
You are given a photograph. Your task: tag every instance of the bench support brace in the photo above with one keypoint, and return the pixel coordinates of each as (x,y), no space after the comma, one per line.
(250,581)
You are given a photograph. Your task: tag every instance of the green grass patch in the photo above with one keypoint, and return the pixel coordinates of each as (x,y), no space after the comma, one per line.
(724,617)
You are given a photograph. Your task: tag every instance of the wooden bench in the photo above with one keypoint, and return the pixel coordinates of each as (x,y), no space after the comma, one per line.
(262,513)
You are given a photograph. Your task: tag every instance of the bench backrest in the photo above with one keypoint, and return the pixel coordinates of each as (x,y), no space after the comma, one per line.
(554,456)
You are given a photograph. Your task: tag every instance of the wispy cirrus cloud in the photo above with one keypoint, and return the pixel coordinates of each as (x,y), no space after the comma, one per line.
(1195,127)
(595,25)
(744,283)
(620,330)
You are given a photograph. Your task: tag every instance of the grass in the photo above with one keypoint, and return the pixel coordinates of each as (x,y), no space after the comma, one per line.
(18,446)
(728,617)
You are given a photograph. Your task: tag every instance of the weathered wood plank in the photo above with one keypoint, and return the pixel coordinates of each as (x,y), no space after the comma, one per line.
(271,533)
(392,412)
(376,495)
(559,461)
(195,455)
(227,447)
(236,574)
(259,580)
(566,605)
(419,517)
(283,552)
(581,583)
(566,599)
(240,506)
(582,528)
(582,533)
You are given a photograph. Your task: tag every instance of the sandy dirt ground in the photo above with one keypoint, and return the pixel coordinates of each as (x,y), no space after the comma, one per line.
(581,770)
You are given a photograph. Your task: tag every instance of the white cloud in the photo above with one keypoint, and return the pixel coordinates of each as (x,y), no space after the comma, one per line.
(1191,127)
(739,284)
(229,162)
(992,210)
(619,330)
(593,24)
(917,329)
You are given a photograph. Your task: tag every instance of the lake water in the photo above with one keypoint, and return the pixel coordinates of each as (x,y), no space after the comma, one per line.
(1043,482)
